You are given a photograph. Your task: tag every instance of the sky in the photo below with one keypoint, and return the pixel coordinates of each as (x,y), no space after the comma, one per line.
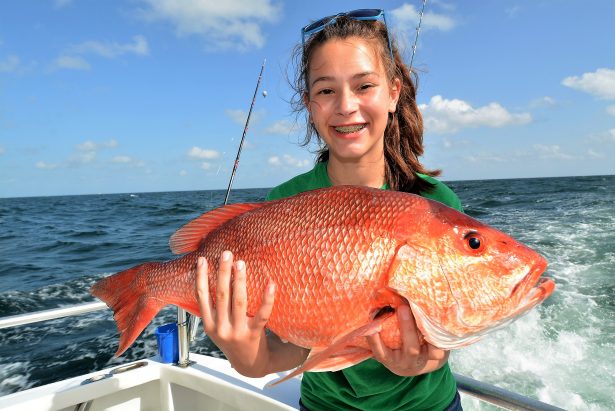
(152,95)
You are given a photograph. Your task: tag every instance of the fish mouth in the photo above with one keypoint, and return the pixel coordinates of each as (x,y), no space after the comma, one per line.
(533,288)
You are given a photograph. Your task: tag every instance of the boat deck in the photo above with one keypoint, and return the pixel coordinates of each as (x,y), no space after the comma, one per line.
(208,384)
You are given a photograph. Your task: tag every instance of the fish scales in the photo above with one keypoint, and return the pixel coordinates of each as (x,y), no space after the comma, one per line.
(314,278)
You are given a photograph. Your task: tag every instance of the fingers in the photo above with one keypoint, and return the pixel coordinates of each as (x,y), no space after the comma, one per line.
(380,351)
(223,289)
(414,356)
(228,318)
(413,342)
(240,296)
(264,312)
(408,330)
(202,291)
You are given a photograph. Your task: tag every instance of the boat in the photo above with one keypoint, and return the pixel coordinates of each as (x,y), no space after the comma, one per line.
(193,382)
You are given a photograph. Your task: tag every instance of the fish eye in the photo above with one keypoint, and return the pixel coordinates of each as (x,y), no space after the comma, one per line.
(474,241)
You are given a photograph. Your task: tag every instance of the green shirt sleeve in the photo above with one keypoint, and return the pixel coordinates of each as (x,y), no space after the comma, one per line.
(442,193)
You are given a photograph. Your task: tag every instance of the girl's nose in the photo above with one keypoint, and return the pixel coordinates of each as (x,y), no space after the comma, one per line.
(347,103)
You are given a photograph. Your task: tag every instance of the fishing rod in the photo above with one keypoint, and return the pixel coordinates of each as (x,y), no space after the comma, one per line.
(243,136)
(418,30)
(187,324)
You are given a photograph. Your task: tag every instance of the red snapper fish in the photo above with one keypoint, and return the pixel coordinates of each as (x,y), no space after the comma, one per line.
(343,260)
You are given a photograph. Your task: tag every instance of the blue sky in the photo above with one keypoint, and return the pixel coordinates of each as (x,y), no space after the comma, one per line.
(144,95)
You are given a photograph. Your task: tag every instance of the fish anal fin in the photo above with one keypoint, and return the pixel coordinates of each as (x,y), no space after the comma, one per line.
(188,238)
(340,354)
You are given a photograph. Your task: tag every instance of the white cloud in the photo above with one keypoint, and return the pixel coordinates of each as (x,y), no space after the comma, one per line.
(10,64)
(206,166)
(551,152)
(282,127)
(121,159)
(87,151)
(288,161)
(485,157)
(2,150)
(183,173)
(127,160)
(58,4)
(45,166)
(512,11)
(611,110)
(600,83)
(607,136)
(198,153)
(222,24)
(594,154)
(84,157)
(451,144)
(71,63)
(545,101)
(449,116)
(407,18)
(72,58)
(238,116)
(90,145)
(139,46)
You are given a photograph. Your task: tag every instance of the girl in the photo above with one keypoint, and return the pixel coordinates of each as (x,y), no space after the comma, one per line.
(360,102)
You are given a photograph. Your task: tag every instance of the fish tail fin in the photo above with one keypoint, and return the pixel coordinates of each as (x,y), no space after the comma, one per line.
(133,308)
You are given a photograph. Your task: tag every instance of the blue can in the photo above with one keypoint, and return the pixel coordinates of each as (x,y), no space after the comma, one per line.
(167,343)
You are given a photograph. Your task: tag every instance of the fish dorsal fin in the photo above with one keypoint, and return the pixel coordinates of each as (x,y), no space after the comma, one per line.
(188,238)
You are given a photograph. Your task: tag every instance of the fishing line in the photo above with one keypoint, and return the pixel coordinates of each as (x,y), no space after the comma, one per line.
(243,136)
(416,37)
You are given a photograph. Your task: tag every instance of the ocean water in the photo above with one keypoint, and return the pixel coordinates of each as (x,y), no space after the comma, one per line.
(52,249)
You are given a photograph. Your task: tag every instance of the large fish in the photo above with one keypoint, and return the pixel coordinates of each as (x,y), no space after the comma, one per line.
(343,259)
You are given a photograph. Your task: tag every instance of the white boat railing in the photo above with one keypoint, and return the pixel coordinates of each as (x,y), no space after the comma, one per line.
(483,391)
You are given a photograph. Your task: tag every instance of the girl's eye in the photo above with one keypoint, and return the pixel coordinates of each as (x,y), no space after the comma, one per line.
(325,91)
(366,86)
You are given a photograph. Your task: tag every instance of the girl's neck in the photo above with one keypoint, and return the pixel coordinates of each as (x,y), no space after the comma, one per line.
(369,174)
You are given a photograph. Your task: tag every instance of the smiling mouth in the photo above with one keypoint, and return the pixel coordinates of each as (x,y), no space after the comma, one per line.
(350,129)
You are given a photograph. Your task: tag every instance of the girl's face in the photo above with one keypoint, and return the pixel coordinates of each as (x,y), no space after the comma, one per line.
(350,98)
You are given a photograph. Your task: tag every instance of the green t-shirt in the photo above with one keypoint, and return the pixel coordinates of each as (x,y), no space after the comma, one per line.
(369,385)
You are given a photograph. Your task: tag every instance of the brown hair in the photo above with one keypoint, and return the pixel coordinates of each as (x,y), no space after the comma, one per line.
(403,136)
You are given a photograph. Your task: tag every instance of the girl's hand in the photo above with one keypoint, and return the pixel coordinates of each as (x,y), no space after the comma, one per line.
(241,338)
(413,358)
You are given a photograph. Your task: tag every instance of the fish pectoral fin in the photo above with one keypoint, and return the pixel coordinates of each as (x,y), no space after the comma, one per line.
(188,238)
(337,361)
(388,297)
(339,355)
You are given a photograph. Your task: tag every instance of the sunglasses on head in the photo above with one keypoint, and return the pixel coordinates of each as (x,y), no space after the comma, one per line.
(360,14)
